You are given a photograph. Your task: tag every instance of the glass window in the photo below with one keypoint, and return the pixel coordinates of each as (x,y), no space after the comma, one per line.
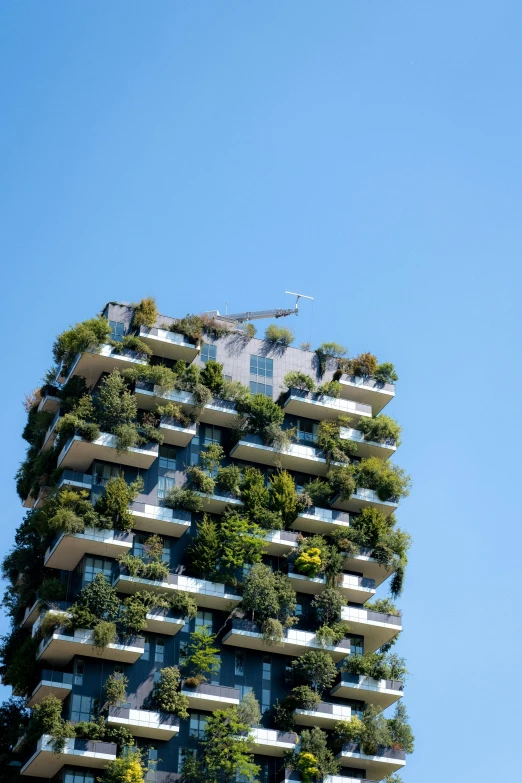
(208,352)
(204,619)
(81,707)
(356,645)
(299,610)
(159,651)
(96,565)
(182,755)
(72,775)
(215,676)
(198,724)
(101,473)
(307,430)
(261,367)
(164,485)
(146,652)
(78,671)
(267,667)
(239,665)
(117,330)
(138,549)
(167,458)
(261,388)
(228,377)
(265,699)
(243,690)
(211,434)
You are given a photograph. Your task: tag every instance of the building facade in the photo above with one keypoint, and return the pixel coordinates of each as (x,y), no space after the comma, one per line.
(71,666)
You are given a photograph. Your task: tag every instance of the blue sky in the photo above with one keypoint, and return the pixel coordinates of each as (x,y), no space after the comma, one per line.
(365,153)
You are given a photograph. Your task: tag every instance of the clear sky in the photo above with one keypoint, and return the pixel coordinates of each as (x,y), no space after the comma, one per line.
(365,152)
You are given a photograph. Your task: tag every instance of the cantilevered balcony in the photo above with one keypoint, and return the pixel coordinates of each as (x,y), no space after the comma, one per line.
(78,454)
(45,763)
(163,621)
(221,413)
(50,402)
(210,595)
(244,633)
(160,520)
(369,448)
(144,723)
(367,565)
(50,435)
(385,762)
(323,714)
(280,542)
(67,550)
(219,501)
(321,406)
(268,742)
(76,480)
(381,693)
(363,497)
(354,588)
(211,697)
(31,614)
(305,459)
(169,345)
(148,396)
(51,683)
(343,779)
(174,433)
(91,364)
(376,627)
(367,390)
(63,645)
(321,520)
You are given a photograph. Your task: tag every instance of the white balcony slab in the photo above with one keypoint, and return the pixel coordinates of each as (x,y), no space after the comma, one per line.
(78,454)
(174,433)
(45,763)
(362,498)
(169,345)
(321,520)
(381,693)
(367,391)
(321,406)
(353,588)
(376,767)
(91,364)
(51,683)
(61,648)
(144,723)
(280,542)
(376,627)
(160,623)
(211,697)
(304,459)
(210,595)
(243,633)
(324,715)
(160,520)
(268,742)
(368,448)
(68,550)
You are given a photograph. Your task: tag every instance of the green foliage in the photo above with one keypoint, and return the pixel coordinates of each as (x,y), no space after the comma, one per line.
(385,373)
(116,689)
(400,730)
(50,622)
(308,766)
(97,599)
(203,552)
(389,481)
(316,669)
(250,330)
(37,425)
(191,326)
(328,606)
(17,657)
(326,352)
(313,742)
(330,389)
(384,605)
(308,562)
(104,633)
(47,719)
(119,735)
(228,479)
(115,406)
(211,456)
(70,512)
(223,755)
(75,388)
(234,391)
(370,526)
(256,499)
(272,631)
(268,595)
(127,768)
(283,497)
(151,565)
(330,441)
(132,343)
(262,412)
(202,656)
(319,492)
(145,313)
(212,377)
(299,380)
(377,665)
(112,506)
(14,718)
(303,698)
(380,429)
(341,481)
(279,335)
(185,498)
(84,336)
(166,695)
(330,635)
(248,711)
(241,541)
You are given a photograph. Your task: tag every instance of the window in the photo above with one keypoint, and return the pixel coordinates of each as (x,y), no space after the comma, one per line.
(182,755)
(356,645)
(228,377)
(81,707)
(261,388)
(138,549)
(159,651)
(264,369)
(117,330)
(101,473)
(72,775)
(211,434)
(208,352)
(167,458)
(146,652)
(239,665)
(298,610)
(306,430)
(198,724)
(204,619)
(164,485)
(78,671)
(265,699)
(215,675)
(243,690)
(152,762)
(267,667)
(97,565)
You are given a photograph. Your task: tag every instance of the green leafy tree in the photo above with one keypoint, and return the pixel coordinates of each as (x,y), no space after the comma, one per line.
(268,595)
(127,768)
(241,541)
(283,497)
(203,552)
(113,505)
(298,380)
(14,718)
(116,689)
(315,668)
(385,373)
(224,749)
(313,742)
(400,729)
(84,336)
(248,711)
(166,695)
(328,606)
(255,496)
(380,429)
(145,313)
(326,352)
(279,335)
(96,601)
(202,656)
(388,480)
(116,406)
(212,377)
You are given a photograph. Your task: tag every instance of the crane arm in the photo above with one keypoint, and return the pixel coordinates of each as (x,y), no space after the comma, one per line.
(255,314)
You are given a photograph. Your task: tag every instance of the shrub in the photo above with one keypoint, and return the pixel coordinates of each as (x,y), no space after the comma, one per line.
(99,599)
(279,335)
(132,343)
(308,766)
(182,497)
(385,373)
(47,719)
(363,365)
(380,429)
(268,595)
(191,326)
(308,562)
(84,336)
(330,388)
(319,492)
(304,698)
(228,479)
(299,380)
(116,689)
(330,635)
(212,377)
(248,711)
(250,331)
(389,481)
(145,313)
(342,482)
(133,616)
(234,391)
(329,440)
(326,352)
(315,668)
(104,633)
(115,405)
(127,437)
(224,752)
(113,505)
(166,695)
(283,497)
(261,412)
(314,742)
(202,656)
(272,631)
(328,606)
(127,768)
(384,605)
(50,622)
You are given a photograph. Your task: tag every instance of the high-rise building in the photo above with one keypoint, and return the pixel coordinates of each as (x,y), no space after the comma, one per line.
(211,518)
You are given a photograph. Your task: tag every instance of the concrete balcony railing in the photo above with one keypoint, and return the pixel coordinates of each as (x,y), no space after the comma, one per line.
(63,645)
(363,497)
(160,520)
(244,633)
(321,406)
(79,454)
(280,542)
(91,364)
(369,448)
(50,402)
(385,762)
(211,697)
(321,520)
(304,459)
(144,723)
(368,391)
(219,501)
(381,693)
(67,550)
(354,588)
(51,683)
(324,715)
(269,742)
(220,412)
(376,627)
(343,779)
(44,763)
(210,595)
(169,345)
(163,621)
(174,433)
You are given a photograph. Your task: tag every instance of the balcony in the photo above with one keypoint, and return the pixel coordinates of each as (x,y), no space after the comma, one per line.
(354,588)
(210,595)
(144,723)
(51,683)
(162,621)
(376,627)
(321,520)
(321,406)
(174,433)
(148,396)
(31,614)
(219,501)
(304,459)
(221,413)
(68,550)
(78,454)
(280,542)
(91,364)
(75,480)
(381,693)
(211,697)
(50,435)
(343,779)
(324,715)
(368,391)
(268,742)
(160,520)
(45,763)
(386,762)
(244,633)
(49,402)
(369,448)
(363,497)
(367,565)
(169,345)
(62,646)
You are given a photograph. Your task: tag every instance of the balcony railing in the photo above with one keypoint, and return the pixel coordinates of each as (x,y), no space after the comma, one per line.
(307,459)
(63,645)
(78,453)
(376,627)
(211,697)
(363,497)
(321,520)
(144,723)
(43,762)
(269,742)
(384,762)
(367,390)
(323,714)
(245,633)
(51,683)
(211,595)
(321,406)
(281,542)
(355,588)
(161,520)
(92,363)
(66,551)
(382,693)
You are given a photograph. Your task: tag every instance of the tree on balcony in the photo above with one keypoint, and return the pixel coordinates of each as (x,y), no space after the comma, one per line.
(271,600)
(116,689)
(84,336)
(127,768)
(166,695)
(315,668)
(145,313)
(112,506)
(201,656)
(314,742)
